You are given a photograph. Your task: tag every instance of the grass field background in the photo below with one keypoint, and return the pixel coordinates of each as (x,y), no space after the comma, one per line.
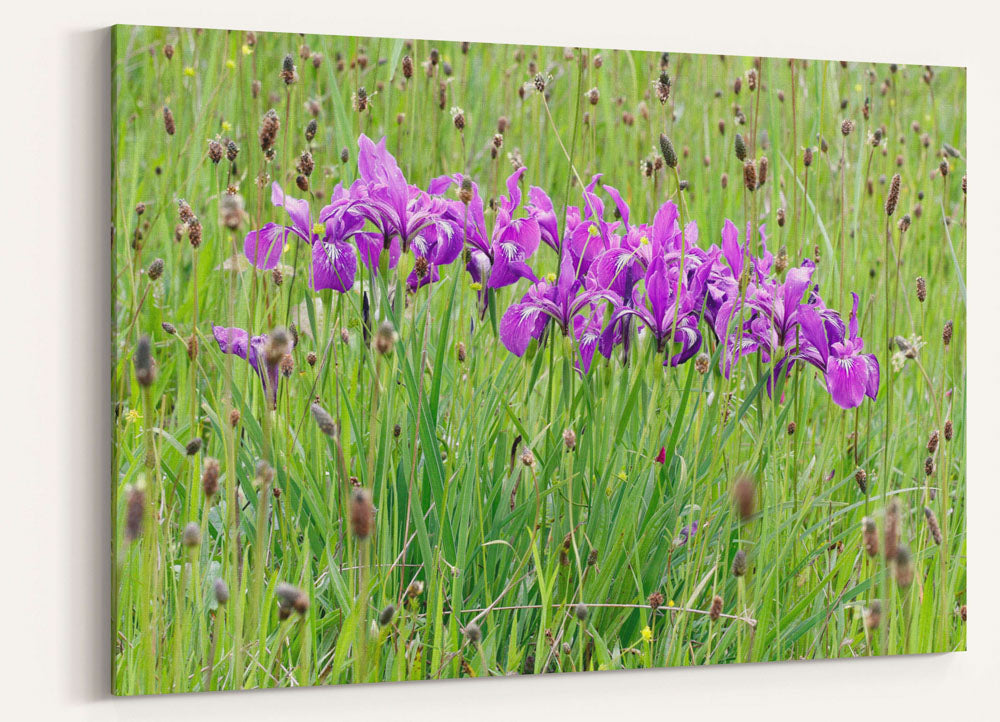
(484,553)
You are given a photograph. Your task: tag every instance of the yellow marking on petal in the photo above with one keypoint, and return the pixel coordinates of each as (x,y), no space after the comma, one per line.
(231,64)
(189,71)
(318,228)
(246,50)
(550,277)
(647,634)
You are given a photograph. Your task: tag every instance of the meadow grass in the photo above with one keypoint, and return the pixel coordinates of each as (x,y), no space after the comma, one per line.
(501,543)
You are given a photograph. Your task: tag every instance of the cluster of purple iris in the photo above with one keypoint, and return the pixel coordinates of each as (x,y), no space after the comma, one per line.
(617,280)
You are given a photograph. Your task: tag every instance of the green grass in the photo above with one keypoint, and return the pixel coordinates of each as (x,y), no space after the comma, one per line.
(509,547)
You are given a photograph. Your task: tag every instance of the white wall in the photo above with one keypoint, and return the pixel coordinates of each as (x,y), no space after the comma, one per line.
(54,410)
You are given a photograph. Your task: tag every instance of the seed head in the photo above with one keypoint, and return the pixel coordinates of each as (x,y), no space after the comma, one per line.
(807,157)
(539,82)
(944,167)
(904,566)
(892,521)
(593,96)
(168,328)
(191,537)
(465,193)
(288,73)
(667,151)
(947,332)
(214,151)
(145,371)
(210,477)
(473,633)
(655,600)
(740,146)
(663,87)
(701,363)
(386,337)
(873,615)
(861,477)
(311,358)
(739,563)
(791,428)
(135,509)
(291,598)
(221,591)
(715,611)
(869,536)
(932,442)
(232,150)
(344,155)
(193,446)
(932,524)
(569,439)
(362,513)
(269,128)
(921,289)
(750,176)
(528,459)
(386,615)
(168,51)
(847,127)
(893,196)
(234,418)
(324,421)
(761,171)
(168,121)
(407,67)
(744,494)
(278,344)
(415,589)
(155,269)
(949,430)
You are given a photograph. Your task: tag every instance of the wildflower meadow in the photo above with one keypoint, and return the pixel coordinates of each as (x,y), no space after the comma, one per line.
(440,359)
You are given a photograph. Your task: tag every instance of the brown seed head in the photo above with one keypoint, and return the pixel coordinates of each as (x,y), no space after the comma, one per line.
(269,127)
(891,534)
(904,566)
(667,151)
(362,513)
(569,439)
(744,493)
(221,591)
(949,430)
(739,567)
(947,332)
(168,121)
(191,537)
(324,420)
(740,147)
(193,446)
(135,510)
(155,269)
(750,176)
(386,336)
(210,476)
(715,611)
(932,524)
(892,198)
(861,477)
(869,536)
(145,370)
(761,171)
(921,289)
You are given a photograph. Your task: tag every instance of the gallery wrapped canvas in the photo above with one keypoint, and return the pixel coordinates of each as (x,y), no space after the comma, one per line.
(439,359)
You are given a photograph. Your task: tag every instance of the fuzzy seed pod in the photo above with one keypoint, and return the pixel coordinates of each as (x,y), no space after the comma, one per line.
(569,439)
(194,232)
(234,418)
(168,328)
(904,223)
(386,615)
(168,121)
(135,509)
(287,364)
(869,536)
(715,611)
(740,146)
(846,127)
(668,152)
(891,534)
(949,430)
(655,600)
(386,336)
(414,589)
(929,466)
(324,420)
(904,566)
(964,185)
(210,477)
(191,537)
(921,289)
(592,558)
(214,151)
(303,185)
(306,163)
(344,155)
(947,332)
(807,157)
(288,73)
(193,446)
(291,598)
(221,591)
(739,563)
(724,180)
(397,430)
(269,128)
(780,215)
(155,269)
(761,171)
(279,343)
(362,513)
(861,477)
(893,196)
(465,193)
(932,524)
(145,371)
(944,167)
(473,633)
(701,363)
(232,150)
(744,495)
(528,459)
(310,131)
(168,51)
(932,442)
(791,428)
(750,176)
(311,358)
(873,615)
(663,87)
(458,119)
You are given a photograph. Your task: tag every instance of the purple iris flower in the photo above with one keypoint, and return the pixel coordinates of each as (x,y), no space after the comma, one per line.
(850,374)
(334,261)
(237,341)
(559,302)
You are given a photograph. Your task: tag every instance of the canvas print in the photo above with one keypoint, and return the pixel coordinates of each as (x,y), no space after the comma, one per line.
(437,359)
